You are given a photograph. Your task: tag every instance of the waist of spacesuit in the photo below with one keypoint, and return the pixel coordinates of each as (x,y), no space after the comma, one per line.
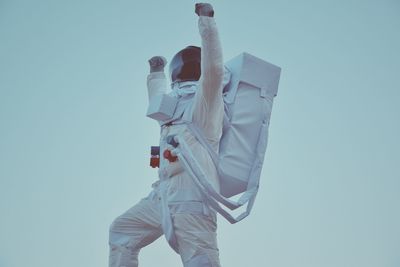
(180,191)
(179,185)
(169,170)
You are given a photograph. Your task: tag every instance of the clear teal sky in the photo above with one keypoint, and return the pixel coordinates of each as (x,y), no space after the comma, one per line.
(74,140)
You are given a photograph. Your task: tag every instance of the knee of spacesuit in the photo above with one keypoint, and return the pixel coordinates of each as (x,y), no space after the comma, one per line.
(119,236)
(122,257)
(124,249)
(200,261)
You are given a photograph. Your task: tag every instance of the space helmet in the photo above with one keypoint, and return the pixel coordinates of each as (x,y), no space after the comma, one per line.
(186,65)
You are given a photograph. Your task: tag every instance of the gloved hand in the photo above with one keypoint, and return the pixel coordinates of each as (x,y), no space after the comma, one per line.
(204,9)
(157,63)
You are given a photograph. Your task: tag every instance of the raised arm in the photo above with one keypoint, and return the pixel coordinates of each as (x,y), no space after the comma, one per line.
(208,110)
(212,65)
(156,80)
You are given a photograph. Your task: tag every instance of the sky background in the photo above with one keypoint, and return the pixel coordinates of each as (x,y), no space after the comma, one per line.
(74,139)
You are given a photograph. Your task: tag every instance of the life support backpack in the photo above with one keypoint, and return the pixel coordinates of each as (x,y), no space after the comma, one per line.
(248,99)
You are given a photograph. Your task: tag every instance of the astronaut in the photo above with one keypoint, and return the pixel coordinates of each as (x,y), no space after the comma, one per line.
(176,207)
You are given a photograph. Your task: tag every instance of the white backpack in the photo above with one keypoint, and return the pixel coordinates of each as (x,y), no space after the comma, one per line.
(248,99)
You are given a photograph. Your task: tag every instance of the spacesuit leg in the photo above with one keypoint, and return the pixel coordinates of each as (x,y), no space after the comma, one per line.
(136,228)
(197,239)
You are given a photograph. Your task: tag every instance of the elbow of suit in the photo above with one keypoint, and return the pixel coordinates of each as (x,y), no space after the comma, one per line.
(216,71)
(213,77)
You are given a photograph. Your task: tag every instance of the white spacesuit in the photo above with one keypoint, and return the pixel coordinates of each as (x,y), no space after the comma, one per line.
(176,207)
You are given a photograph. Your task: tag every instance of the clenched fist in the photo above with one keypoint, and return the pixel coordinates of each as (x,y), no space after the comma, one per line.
(204,9)
(157,63)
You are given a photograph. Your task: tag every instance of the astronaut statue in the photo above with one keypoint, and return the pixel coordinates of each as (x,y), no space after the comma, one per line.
(176,207)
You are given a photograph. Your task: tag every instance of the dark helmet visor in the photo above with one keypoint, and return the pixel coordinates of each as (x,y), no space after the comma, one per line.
(186,65)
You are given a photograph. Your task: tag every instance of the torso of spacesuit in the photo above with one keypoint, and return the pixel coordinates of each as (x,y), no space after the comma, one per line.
(181,187)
